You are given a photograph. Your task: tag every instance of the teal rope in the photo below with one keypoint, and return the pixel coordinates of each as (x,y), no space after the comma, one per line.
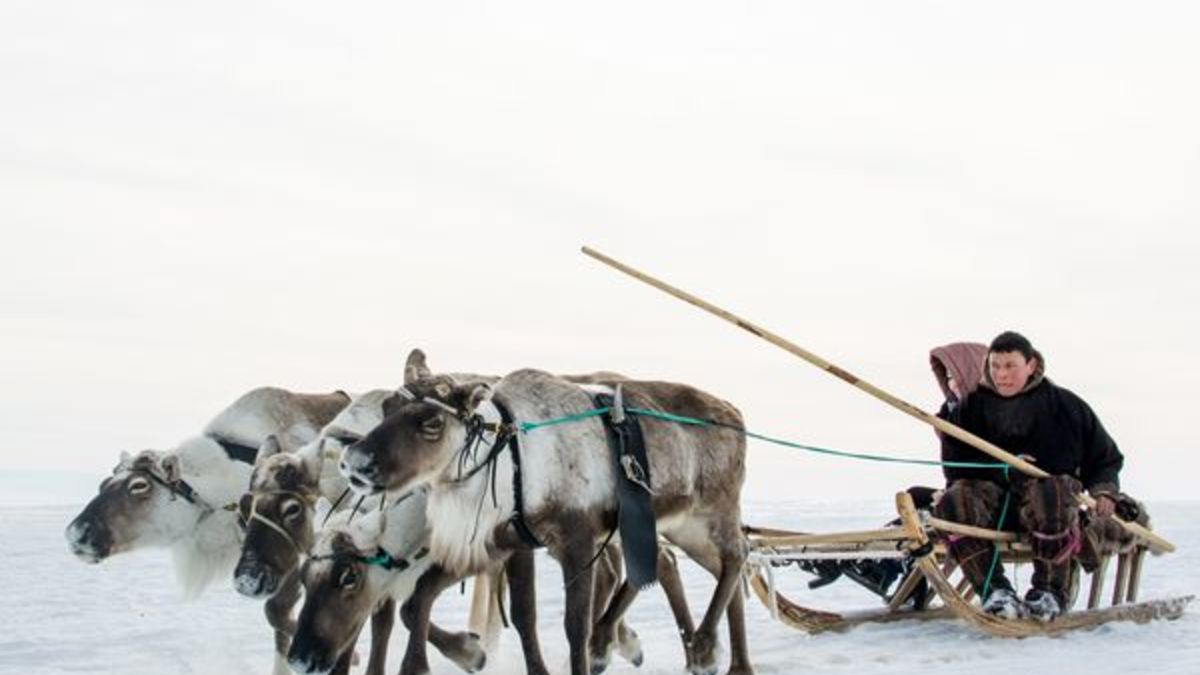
(530,426)
(996,549)
(693,421)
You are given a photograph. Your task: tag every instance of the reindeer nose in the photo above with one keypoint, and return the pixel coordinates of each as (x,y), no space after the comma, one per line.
(253,579)
(86,541)
(307,664)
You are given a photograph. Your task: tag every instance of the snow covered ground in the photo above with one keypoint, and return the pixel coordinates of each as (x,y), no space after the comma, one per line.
(125,616)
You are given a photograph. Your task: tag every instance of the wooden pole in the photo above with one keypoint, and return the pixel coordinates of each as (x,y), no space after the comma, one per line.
(941,425)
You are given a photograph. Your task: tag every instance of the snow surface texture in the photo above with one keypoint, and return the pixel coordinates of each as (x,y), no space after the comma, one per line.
(125,616)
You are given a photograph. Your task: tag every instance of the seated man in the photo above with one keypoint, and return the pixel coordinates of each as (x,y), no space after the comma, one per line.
(1018,409)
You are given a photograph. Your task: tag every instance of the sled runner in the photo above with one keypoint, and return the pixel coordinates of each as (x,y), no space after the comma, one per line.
(924,587)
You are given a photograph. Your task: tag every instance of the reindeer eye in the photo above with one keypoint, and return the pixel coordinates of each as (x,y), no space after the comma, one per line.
(348,577)
(292,509)
(432,428)
(139,486)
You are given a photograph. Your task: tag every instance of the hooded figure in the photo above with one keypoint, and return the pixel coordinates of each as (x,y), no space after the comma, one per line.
(958,368)
(1019,409)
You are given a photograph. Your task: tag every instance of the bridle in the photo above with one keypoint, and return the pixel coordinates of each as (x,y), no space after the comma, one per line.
(504,436)
(307,499)
(381,558)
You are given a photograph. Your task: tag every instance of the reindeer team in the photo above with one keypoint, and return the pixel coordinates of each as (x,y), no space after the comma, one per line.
(349,507)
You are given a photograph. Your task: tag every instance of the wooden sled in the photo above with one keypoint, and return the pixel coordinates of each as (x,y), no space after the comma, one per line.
(918,540)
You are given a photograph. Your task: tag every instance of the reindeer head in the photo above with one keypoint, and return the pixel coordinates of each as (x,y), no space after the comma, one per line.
(142,504)
(424,426)
(278,515)
(342,587)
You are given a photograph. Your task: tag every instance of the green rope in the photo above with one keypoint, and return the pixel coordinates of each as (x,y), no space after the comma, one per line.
(693,421)
(996,549)
(379,559)
(530,426)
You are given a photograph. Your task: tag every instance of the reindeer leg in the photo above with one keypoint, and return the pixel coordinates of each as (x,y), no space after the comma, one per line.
(278,610)
(523,604)
(415,615)
(739,651)
(464,648)
(610,623)
(575,558)
(672,585)
(720,551)
(381,629)
(604,584)
(704,642)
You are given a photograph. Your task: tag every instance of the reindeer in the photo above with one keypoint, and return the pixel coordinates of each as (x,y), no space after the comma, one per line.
(280,513)
(279,510)
(567,491)
(185,499)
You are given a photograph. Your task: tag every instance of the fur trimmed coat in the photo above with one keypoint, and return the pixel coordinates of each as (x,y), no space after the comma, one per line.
(1048,423)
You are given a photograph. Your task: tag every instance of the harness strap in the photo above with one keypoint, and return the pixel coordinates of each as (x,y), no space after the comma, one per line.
(236,451)
(631,472)
(181,488)
(381,558)
(507,437)
(390,562)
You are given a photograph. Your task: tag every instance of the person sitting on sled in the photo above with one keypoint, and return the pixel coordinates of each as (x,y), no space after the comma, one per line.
(1020,410)
(958,369)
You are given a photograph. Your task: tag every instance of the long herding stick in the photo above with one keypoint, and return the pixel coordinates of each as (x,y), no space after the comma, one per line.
(1152,539)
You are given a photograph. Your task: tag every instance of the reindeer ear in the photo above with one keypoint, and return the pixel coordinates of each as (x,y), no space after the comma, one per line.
(392,403)
(171,468)
(372,525)
(311,460)
(321,510)
(268,448)
(473,395)
(146,460)
(415,368)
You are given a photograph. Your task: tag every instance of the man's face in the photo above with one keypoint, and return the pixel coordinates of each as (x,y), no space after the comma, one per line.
(1010,371)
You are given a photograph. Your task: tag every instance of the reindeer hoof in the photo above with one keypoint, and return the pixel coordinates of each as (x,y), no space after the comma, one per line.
(702,655)
(469,654)
(629,646)
(599,665)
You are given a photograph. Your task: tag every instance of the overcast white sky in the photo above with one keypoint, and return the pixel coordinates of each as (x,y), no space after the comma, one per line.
(200,198)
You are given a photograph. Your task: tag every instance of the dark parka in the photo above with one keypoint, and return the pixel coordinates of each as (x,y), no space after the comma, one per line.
(1047,422)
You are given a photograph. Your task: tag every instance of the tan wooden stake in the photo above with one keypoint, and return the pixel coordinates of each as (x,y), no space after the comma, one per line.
(1122,580)
(1098,578)
(1135,574)
(479,617)
(941,425)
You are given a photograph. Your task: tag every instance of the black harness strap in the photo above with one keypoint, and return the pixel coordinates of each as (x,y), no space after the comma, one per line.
(238,452)
(635,509)
(508,436)
(179,488)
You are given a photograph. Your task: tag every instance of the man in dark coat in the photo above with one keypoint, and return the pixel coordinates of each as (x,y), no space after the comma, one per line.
(1020,410)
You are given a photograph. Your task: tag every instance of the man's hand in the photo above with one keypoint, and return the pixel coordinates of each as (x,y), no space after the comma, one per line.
(1105,506)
